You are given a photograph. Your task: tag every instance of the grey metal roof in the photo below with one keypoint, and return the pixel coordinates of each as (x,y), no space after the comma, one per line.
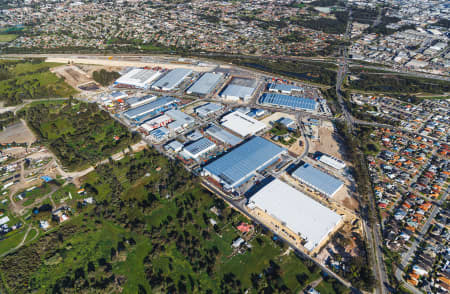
(317,179)
(172,79)
(240,163)
(199,146)
(237,91)
(208,108)
(288,101)
(285,121)
(180,116)
(205,84)
(134,100)
(223,135)
(149,107)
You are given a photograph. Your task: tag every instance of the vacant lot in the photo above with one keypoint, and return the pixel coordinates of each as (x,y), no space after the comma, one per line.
(30,80)
(79,134)
(73,75)
(7,37)
(18,133)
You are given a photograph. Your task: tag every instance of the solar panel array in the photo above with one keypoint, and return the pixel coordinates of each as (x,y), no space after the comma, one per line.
(288,101)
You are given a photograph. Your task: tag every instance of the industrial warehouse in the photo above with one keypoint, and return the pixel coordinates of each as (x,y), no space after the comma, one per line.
(205,84)
(208,109)
(150,108)
(172,79)
(138,78)
(318,180)
(284,206)
(198,148)
(242,124)
(287,101)
(283,88)
(240,164)
(229,143)
(239,89)
(222,135)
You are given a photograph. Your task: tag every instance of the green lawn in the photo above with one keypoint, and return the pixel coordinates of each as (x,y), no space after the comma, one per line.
(150,242)
(31,80)
(31,196)
(7,37)
(12,240)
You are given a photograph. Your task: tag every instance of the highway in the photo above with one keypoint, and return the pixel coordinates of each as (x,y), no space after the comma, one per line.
(373,234)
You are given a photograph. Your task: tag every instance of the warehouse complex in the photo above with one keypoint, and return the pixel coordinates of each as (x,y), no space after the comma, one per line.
(205,84)
(208,109)
(138,78)
(305,217)
(318,180)
(332,161)
(198,148)
(154,107)
(283,88)
(172,79)
(240,164)
(134,102)
(242,124)
(291,102)
(239,89)
(222,135)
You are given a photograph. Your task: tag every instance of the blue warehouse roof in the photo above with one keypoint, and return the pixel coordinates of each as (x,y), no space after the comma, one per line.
(239,164)
(288,101)
(149,107)
(205,84)
(317,179)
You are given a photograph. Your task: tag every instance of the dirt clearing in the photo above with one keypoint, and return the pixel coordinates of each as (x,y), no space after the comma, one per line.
(73,75)
(18,133)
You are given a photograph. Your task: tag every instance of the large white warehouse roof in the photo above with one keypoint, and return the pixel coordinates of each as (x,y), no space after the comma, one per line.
(300,213)
(242,124)
(141,78)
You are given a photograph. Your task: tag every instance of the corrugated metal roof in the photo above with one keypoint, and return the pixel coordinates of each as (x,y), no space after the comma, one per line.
(222,135)
(242,162)
(288,101)
(237,91)
(138,77)
(300,213)
(172,79)
(283,87)
(198,147)
(207,109)
(242,124)
(317,179)
(149,107)
(205,84)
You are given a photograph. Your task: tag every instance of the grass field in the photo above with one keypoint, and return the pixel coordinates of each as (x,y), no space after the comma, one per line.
(31,80)
(150,232)
(79,134)
(7,37)
(11,241)
(38,192)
